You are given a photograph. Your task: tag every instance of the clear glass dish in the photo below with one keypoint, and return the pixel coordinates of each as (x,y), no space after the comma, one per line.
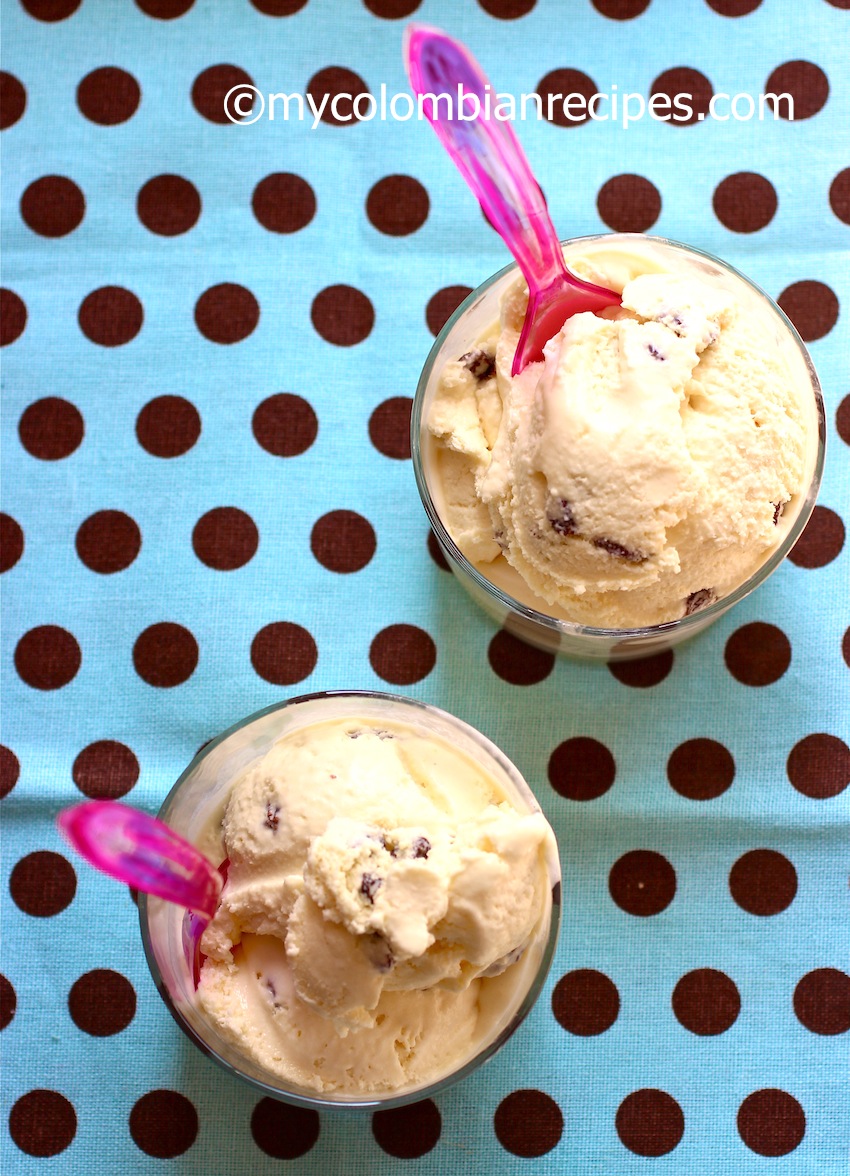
(523,618)
(200,794)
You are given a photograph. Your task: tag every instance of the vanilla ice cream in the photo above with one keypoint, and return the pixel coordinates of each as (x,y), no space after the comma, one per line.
(385,907)
(649,465)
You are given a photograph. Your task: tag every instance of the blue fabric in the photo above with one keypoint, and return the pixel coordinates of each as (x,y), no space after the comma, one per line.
(646,1048)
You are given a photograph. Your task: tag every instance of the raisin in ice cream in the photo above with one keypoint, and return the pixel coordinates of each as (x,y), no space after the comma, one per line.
(648,465)
(383,913)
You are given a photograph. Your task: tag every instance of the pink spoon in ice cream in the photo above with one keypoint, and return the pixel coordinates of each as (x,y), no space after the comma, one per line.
(135,848)
(489,157)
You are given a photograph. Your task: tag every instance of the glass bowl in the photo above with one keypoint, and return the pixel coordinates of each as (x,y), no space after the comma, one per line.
(198,798)
(524,614)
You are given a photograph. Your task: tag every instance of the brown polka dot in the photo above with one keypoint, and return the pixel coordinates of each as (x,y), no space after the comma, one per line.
(845,647)
(102,1002)
(642,882)
(763,882)
(559,85)
(811,306)
(285,425)
(757,654)
(226,313)
(643,672)
(734,8)
(650,1122)
(343,541)
(681,80)
(110,316)
(842,420)
(108,541)
(408,1132)
(168,426)
(342,315)
(105,770)
(13,100)
(278,7)
(771,1122)
(10,770)
(701,769)
(283,653)
(528,1123)
(397,205)
(821,541)
(585,1002)
(168,205)
(819,766)
(706,1002)
(284,1132)
(621,9)
(442,305)
(165,9)
(402,654)
(333,81)
(517,663)
(42,1122)
(13,316)
(53,206)
(8,1002)
(212,85)
(839,3)
(509,9)
(435,551)
(43,883)
(163,1123)
(839,193)
(11,542)
(581,768)
(108,96)
(47,657)
(629,203)
(51,10)
(284,203)
(389,427)
(822,1001)
(806,83)
(745,202)
(225,538)
(165,654)
(51,429)
(392,9)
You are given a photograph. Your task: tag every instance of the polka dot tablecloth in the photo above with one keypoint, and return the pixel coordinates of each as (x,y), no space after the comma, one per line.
(211,337)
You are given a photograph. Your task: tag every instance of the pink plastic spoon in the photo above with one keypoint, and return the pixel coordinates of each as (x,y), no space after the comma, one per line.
(489,157)
(143,852)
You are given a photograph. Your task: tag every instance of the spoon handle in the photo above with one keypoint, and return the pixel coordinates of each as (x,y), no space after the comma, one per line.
(485,150)
(143,852)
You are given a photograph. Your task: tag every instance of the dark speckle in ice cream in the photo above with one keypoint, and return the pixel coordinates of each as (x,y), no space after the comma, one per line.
(777,512)
(618,549)
(272,817)
(480,363)
(560,515)
(698,600)
(420,847)
(370,884)
(378,951)
(655,353)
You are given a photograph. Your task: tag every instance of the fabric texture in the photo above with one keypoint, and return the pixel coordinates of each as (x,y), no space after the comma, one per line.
(212,334)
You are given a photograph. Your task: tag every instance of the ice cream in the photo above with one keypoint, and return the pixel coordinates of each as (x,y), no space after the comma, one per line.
(649,465)
(385,908)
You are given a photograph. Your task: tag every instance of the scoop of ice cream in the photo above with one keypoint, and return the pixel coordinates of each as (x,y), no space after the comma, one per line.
(373,873)
(639,471)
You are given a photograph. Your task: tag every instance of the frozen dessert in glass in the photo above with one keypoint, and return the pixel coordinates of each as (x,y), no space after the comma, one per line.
(656,465)
(387,917)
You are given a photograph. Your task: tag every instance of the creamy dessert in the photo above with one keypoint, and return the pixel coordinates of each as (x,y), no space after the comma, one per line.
(649,465)
(386,907)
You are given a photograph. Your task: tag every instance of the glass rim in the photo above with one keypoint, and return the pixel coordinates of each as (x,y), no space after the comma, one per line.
(300,1097)
(702,616)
